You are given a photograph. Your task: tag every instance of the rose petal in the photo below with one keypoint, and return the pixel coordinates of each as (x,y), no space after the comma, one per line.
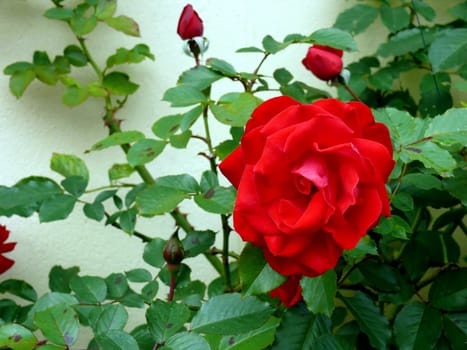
(267,110)
(233,166)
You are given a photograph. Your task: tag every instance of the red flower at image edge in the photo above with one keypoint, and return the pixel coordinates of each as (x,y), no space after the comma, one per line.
(190,24)
(5,263)
(323,61)
(310,180)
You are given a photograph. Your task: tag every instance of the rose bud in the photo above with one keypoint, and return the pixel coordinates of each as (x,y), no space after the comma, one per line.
(173,251)
(190,24)
(323,61)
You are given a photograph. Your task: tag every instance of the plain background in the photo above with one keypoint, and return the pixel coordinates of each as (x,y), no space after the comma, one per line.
(38,124)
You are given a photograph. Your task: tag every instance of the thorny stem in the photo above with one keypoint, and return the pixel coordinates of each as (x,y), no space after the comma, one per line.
(113,126)
(224,219)
(249,86)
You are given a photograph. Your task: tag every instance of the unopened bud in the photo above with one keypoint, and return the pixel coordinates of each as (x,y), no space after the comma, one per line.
(173,251)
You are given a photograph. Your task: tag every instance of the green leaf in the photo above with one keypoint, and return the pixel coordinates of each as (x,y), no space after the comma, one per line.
(116,340)
(422,181)
(271,45)
(20,80)
(459,11)
(120,171)
(456,185)
(356,19)
(334,37)
(47,301)
(190,117)
(69,165)
(59,324)
(28,193)
(221,66)
(143,151)
(17,337)
(259,338)
(250,49)
(455,329)
(235,108)
(57,207)
(166,126)
(283,76)
(230,314)
(256,275)
(199,77)
(82,25)
(405,41)
(191,294)
(394,18)
(157,200)
(369,318)
(393,226)
(19,288)
(117,285)
(118,138)
(180,140)
(449,128)
(75,55)
(435,94)
(128,219)
(112,317)
(186,341)
(182,182)
(123,24)
(75,185)
(119,83)
(105,8)
(166,318)
(153,252)
(319,292)
(449,291)
(89,289)
(300,329)
(59,278)
(432,156)
(139,275)
(94,211)
(424,9)
(149,291)
(74,95)
(449,49)
(134,55)
(197,242)
(217,200)
(59,13)
(366,246)
(417,327)
(184,95)
(379,276)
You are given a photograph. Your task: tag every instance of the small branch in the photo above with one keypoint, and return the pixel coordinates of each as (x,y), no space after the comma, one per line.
(351,92)
(249,86)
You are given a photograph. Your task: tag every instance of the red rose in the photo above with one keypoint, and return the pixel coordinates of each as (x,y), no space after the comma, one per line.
(310,180)
(289,292)
(5,263)
(323,61)
(189,24)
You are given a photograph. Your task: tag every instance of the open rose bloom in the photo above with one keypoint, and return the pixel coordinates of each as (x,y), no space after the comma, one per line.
(5,263)
(310,180)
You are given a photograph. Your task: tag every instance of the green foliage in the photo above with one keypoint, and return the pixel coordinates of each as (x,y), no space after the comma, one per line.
(403,286)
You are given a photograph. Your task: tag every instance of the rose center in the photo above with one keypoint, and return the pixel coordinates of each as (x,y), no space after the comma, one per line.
(304,185)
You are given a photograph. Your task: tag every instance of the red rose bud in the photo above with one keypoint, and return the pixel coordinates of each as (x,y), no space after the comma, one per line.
(173,251)
(5,263)
(323,61)
(189,24)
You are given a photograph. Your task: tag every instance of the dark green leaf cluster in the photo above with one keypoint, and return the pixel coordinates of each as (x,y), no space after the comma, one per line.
(431,54)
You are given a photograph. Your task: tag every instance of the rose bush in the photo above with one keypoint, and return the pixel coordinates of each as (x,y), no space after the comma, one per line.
(323,61)
(311,181)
